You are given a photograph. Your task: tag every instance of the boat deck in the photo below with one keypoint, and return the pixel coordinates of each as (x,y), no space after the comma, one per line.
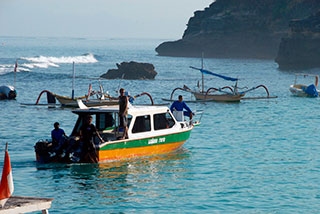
(20,204)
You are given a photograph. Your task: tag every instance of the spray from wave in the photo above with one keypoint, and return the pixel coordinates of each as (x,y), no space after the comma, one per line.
(39,65)
(6,68)
(87,58)
(46,62)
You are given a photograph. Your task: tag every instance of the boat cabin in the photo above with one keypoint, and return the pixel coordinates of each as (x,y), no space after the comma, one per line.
(143,121)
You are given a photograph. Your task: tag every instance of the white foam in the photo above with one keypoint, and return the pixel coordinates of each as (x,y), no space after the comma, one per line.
(46,61)
(88,58)
(39,65)
(6,68)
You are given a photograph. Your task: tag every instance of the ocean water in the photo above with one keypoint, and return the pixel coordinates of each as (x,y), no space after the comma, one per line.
(257,156)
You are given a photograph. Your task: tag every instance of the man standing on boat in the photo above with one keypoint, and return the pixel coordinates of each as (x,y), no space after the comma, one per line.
(123,113)
(178,106)
(87,133)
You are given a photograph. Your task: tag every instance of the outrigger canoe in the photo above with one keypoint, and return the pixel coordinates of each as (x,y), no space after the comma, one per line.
(224,94)
(152,130)
(302,90)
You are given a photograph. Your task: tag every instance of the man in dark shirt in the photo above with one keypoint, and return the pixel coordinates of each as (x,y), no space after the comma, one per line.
(123,113)
(57,133)
(87,132)
(58,138)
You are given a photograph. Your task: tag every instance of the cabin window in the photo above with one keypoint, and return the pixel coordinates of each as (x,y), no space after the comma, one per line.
(142,124)
(163,121)
(129,119)
(104,121)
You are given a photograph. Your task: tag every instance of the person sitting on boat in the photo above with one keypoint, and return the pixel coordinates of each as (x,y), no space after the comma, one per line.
(58,137)
(123,113)
(87,133)
(178,106)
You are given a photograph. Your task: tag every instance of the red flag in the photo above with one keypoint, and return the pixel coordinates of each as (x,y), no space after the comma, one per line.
(16,66)
(89,92)
(6,186)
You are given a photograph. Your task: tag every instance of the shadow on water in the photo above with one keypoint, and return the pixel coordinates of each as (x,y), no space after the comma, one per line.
(99,179)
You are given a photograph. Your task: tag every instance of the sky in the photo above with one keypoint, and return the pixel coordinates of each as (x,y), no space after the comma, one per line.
(161,19)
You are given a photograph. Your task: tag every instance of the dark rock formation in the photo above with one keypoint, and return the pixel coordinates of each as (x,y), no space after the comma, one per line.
(131,70)
(301,49)
(239,29)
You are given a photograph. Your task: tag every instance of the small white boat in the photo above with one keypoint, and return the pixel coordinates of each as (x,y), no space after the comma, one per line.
(302,90)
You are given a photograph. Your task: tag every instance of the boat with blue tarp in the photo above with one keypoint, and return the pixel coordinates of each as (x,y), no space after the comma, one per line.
(223,94)
(302,90)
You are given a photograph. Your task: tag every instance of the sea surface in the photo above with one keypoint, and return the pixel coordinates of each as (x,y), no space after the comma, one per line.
(257,156)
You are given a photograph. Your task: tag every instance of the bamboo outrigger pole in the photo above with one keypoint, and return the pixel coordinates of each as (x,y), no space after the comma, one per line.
(15,73)
(73,81)
(202,75)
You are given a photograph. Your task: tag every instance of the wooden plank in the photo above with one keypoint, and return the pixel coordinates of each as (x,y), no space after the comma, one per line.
(214,100)
(190,101)
(258,98)
(19,204)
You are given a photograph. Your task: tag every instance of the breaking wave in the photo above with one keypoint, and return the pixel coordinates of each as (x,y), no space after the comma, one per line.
(86,58)
(6,68)
(39,65)
(28,63)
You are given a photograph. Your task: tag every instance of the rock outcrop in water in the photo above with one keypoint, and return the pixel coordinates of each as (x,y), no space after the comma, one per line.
(131,70)
(301,49)
(239,29)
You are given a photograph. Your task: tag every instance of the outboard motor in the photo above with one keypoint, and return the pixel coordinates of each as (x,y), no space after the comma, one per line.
(7,92)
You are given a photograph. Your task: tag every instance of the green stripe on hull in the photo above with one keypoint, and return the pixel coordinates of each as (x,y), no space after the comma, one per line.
(152,141)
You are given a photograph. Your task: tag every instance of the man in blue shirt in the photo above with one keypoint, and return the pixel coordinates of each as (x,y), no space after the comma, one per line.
(58,138)
(179,105)
(57,133)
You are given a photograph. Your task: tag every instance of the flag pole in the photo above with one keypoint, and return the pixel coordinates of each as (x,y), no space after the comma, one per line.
(6,185)
(15,73)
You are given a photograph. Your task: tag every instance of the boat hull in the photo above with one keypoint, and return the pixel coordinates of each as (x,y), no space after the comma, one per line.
(297,90)
(127,149)
(218,97)
(7,92)
(90,103)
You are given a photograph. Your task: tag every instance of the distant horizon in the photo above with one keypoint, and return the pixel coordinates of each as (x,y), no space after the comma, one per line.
(141,19)
(90,37)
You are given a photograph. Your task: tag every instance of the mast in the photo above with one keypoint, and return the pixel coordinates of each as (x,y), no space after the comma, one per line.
(202,75)
(73,81)
(15,73)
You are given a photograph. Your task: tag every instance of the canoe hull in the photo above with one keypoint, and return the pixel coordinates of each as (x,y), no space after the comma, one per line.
(297,90)
(218,97)
(89,103)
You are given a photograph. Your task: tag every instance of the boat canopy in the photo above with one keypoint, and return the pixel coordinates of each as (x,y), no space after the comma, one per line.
(214,74)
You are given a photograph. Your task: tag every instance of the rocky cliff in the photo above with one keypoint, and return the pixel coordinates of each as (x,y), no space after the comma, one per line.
(301,49)
(239,29)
